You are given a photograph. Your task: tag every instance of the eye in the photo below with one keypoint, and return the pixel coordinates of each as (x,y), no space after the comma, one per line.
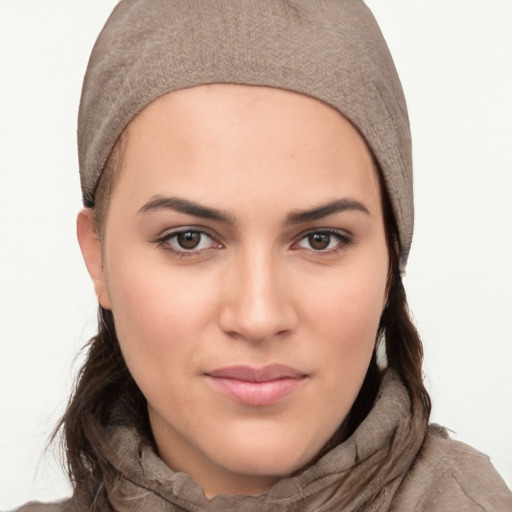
(324,241)
(187,241)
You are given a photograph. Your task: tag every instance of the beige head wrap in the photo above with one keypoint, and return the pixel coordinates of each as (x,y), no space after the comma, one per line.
(332,50)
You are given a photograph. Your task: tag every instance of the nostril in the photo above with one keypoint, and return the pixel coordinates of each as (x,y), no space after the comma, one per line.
(238,324)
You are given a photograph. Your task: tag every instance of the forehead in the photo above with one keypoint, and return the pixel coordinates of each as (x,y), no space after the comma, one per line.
(226,141)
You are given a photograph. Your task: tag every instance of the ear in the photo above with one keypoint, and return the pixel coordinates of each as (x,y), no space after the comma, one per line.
(91,251)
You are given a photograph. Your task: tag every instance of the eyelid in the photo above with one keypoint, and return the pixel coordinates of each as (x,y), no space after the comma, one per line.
(168,232)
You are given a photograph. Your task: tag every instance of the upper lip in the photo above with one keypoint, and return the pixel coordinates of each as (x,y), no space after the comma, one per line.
(250,374)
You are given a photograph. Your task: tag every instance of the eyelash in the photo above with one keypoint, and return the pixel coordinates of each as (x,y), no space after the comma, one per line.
(344,241)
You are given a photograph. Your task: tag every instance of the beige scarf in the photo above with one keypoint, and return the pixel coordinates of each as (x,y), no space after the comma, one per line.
(375,458)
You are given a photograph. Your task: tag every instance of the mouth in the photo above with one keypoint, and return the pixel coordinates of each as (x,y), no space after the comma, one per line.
(256,386)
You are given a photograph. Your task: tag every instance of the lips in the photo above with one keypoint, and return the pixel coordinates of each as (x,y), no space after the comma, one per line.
(256,386)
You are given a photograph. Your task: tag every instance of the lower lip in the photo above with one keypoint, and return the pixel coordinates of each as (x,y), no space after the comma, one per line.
(256,393)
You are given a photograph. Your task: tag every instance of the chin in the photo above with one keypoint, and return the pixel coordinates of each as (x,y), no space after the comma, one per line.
(264,458)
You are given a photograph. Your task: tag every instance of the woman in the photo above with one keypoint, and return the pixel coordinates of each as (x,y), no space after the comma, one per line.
(246,174)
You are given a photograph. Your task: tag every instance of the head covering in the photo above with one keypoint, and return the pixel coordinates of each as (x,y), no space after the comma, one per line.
(332,50)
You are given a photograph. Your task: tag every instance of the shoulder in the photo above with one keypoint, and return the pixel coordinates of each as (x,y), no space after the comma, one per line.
(56,506)
(451,476)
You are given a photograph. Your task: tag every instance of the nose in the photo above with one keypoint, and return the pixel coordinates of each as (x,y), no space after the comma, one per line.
(258,303)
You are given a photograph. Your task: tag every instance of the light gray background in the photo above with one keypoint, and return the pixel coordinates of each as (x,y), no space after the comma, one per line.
(455,60)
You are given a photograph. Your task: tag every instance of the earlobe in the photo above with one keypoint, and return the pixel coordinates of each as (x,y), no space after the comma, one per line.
(91,251)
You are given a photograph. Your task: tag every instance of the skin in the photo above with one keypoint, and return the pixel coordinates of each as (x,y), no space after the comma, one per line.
(256,290)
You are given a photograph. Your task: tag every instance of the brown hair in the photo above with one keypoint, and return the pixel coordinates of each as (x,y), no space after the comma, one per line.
(104,380)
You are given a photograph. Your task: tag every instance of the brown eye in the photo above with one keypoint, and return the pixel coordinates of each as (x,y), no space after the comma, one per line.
(319,241)
(187,242)
(325,241)
(188,239)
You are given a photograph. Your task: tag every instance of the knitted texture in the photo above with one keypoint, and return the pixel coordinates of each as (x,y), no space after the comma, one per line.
(332,50)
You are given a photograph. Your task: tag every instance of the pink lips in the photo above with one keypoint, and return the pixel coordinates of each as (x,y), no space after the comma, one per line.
(251,386)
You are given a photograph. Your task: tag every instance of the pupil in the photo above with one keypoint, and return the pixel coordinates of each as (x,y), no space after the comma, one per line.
(319,241)
(189,240)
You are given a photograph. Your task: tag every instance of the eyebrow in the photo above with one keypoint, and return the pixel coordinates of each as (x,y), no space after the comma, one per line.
(185,206)
(295,217)
(336,206)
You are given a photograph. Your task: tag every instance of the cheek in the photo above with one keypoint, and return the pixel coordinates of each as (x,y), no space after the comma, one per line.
(159,316)
(346,314)
(352,301)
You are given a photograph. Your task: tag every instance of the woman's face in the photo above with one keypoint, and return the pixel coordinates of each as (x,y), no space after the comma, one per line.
(245,263)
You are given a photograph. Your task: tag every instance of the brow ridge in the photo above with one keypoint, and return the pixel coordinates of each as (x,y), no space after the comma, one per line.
(188,207)
(336,206)
(159,202)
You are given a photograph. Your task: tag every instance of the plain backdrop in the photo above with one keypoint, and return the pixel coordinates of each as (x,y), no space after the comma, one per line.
(455,61)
